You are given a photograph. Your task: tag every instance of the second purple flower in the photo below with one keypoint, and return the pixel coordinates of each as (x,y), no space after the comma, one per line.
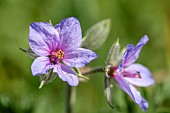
(129,74)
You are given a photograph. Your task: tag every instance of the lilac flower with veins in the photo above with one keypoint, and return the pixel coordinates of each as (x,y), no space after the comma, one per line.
(129,74)
(59,49)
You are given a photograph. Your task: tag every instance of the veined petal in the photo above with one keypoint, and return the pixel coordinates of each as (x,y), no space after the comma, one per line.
(43,37)
(132,54)
(129,89)
(145,78)
(129,48)
(79,57)
(66,74)
(143,104)
(41,65)
(143,40)
(70,33)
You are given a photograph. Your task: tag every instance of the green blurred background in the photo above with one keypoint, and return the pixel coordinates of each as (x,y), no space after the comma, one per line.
(131,19)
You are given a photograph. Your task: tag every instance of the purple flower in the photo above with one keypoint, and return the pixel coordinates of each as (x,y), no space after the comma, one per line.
(129,74)
(59,49)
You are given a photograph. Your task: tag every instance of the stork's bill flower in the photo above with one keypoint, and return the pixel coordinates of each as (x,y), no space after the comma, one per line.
(58,48)
(129,74)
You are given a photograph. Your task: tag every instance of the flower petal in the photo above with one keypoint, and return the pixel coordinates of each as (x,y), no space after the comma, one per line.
(129,48)
(70,33)
(43,37)
(129,89)
(131,54)
(41,65)
(79,57)
(66,74)
(145,78)
(143,104)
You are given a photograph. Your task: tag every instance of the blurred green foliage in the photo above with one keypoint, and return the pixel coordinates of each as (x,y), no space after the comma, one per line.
(131,19)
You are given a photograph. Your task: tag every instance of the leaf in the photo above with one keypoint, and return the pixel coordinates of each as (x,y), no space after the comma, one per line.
(114,56)
(97,34)
(29,52)
(108,91)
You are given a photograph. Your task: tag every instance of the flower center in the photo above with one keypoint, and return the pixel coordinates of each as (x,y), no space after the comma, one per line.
(56,56)
(110,70)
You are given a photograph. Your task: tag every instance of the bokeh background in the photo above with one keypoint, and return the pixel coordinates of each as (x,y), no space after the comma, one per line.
(131,19)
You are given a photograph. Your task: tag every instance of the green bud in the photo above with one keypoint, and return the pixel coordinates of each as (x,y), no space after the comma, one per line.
(97,34)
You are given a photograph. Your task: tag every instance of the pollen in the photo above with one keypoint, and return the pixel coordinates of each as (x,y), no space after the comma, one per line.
(59,54)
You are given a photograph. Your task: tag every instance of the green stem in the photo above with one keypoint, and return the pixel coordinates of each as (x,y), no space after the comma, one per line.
(71,91)
(70,98)
(93,70)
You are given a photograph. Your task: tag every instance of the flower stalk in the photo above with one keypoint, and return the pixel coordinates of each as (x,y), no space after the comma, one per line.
(70,98)
(89,70)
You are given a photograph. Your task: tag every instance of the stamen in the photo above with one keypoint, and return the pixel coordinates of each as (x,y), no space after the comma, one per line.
(138,75)
(59,54)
